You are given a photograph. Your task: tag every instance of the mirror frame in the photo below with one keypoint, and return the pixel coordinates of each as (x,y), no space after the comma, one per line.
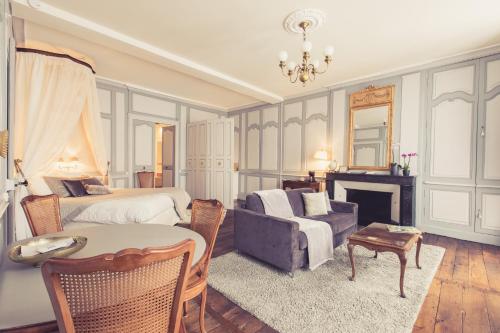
(365,99)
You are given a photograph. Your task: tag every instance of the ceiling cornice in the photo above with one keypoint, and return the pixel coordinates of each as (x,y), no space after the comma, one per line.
(163,56)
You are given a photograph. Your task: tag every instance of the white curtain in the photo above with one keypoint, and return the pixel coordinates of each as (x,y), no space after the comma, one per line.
(53,97)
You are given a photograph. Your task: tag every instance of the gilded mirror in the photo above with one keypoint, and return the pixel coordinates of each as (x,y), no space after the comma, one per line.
(370,128)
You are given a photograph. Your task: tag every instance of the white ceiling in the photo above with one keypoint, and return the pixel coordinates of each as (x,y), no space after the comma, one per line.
(235,43)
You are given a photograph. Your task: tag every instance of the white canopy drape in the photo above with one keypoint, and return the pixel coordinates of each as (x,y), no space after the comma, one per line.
(54,98)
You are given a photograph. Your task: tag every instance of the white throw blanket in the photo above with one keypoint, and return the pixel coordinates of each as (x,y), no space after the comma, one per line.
(127,209)
(318,233)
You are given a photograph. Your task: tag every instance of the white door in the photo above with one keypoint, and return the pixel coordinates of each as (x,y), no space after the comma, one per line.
(191,159)
(223,147)
(488,211)
(168,156)
(143,146)
(489,123)
(450,170)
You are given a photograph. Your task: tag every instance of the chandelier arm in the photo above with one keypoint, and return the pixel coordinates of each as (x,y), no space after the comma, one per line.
(297,72)
(283,72)
(323,71)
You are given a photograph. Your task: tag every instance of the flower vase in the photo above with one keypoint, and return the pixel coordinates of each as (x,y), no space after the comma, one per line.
(394,169)
(406,172)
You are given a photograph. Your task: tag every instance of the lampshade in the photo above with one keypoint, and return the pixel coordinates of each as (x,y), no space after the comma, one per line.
(306,46)
(321,155)
(329,50)
(283,55)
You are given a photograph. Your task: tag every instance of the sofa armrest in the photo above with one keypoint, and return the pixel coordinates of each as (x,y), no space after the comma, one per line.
(268,238)
(344,207)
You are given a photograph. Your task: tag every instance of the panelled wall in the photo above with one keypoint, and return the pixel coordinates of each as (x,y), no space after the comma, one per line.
(129,117)
(279,141)
(449,115)
(462,170)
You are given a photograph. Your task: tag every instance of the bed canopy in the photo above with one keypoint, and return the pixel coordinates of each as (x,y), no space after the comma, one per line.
(56,117)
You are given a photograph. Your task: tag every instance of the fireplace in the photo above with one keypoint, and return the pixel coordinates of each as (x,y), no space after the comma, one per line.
(402,189)
(373,206)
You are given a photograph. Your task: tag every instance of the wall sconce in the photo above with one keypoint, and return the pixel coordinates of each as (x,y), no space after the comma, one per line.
(69,164)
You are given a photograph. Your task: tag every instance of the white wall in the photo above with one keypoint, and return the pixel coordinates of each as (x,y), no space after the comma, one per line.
(123,108)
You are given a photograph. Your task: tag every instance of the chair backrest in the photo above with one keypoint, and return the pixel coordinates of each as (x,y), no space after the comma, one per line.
(206,218)
(146,179)
(130,291)
(43,213)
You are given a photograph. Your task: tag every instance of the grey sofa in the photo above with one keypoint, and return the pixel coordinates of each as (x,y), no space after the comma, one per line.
(278,241)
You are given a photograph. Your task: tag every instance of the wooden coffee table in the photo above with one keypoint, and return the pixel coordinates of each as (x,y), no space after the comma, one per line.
(377,238)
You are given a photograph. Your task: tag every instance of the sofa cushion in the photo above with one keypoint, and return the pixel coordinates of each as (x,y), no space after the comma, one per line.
(338,221)
(254,203)
(315,203)
(296,200)
(302,240)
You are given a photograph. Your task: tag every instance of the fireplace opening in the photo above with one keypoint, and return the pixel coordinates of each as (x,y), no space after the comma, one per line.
(373,206)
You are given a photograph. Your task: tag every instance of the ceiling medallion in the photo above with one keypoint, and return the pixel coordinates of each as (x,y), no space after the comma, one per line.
(302,22)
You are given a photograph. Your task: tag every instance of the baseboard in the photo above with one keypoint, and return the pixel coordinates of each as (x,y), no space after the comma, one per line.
(464,235)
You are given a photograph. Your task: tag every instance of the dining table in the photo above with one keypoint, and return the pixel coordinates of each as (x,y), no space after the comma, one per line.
(24,301)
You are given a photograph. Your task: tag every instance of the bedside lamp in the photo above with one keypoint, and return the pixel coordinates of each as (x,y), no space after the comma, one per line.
(321,156)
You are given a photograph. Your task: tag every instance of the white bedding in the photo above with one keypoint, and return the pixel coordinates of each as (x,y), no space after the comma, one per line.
(124,206)
(127,210)
(168,217)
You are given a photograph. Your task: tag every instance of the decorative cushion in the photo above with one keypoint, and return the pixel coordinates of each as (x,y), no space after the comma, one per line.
(75,187)
(38,186)
(327,201)
(92,181)
(314,203)
(57,186)
(96,189)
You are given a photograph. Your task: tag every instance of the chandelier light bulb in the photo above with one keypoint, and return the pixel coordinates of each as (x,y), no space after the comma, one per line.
(283,55)
(329,50)
(307,46)
(307,68)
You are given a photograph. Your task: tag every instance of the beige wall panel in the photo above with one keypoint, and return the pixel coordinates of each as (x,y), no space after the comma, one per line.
(450,206)
(451,139)
(458,79)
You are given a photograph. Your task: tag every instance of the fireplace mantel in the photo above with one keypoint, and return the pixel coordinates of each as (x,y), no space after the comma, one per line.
(406,186)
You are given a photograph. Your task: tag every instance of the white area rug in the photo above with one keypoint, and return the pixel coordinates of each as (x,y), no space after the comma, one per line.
(325,300)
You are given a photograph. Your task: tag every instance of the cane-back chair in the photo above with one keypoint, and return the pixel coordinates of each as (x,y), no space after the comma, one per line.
(130,291)
(43,213)
(146,179)
(206,218)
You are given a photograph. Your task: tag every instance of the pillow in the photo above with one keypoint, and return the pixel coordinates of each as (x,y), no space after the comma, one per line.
(57,187)
(91,181)
(315,203)
(97,189)
(328,203)
(38,186)
(75,187)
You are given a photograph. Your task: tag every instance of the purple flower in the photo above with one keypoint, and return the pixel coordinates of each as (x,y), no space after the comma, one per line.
(403,155)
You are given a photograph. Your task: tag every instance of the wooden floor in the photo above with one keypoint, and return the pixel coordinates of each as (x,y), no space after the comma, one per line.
(464,295)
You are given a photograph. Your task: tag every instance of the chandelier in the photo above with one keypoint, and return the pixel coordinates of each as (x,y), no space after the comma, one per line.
(299,22)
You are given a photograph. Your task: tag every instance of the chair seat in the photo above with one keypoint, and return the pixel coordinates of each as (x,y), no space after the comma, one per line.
(195,285)
(339,222)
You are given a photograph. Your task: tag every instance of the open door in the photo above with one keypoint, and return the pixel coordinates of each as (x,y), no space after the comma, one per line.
(168,152)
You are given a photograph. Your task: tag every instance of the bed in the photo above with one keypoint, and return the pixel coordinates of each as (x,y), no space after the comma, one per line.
(167,206)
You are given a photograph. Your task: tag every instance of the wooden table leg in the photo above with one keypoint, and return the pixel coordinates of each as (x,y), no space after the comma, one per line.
(402,260)
(350,247)
(376,255)
(419,244)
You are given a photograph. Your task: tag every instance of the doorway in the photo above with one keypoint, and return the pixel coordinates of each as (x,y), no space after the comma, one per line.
(164,155)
